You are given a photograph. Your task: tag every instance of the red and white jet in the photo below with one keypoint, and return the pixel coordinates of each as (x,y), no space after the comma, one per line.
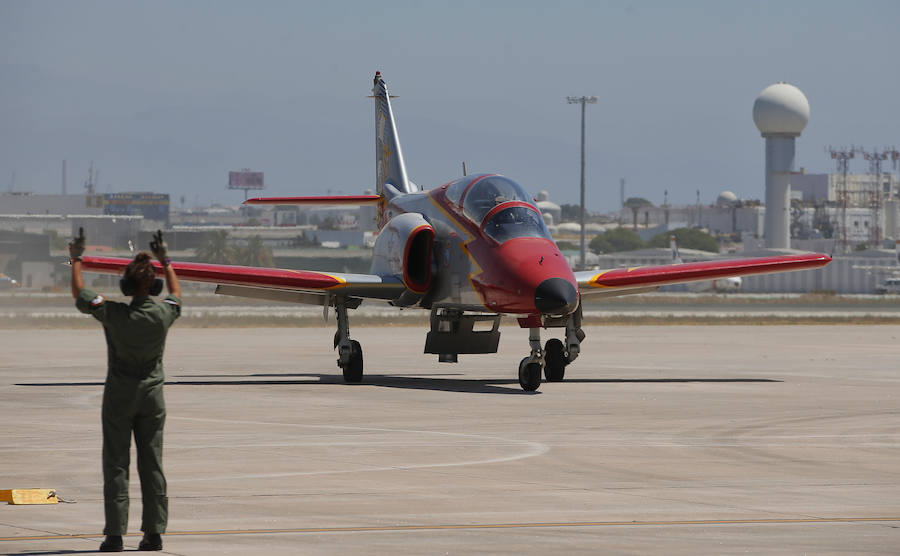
(469,251)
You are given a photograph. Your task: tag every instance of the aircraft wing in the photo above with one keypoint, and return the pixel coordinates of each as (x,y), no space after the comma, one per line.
(624,281)
(298,286)
(320,200)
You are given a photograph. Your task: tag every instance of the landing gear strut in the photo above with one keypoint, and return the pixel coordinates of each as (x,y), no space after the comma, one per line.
(350,356)
(530,367)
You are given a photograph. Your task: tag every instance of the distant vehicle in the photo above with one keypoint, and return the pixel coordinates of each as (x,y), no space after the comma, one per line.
(7,283)
(890,285)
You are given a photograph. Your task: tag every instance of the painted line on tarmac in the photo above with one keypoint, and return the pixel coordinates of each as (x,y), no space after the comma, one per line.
(475,526)
(527,449)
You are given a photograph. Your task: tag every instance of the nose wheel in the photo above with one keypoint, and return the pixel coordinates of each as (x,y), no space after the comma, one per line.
(530,367)
(529,374)
(554,360)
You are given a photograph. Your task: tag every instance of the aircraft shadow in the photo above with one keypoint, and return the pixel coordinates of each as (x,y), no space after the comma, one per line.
(50,552)
(444,382)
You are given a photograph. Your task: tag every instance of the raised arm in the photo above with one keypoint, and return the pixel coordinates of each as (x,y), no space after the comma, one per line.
(161,251)
(171,280)
(76,250)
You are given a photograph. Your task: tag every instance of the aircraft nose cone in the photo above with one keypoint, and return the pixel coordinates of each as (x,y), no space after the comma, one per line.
(555,296)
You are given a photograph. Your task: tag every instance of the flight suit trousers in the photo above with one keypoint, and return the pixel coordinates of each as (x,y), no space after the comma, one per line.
(132,405)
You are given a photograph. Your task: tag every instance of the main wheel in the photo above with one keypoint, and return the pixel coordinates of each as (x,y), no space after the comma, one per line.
(529,375)
(554,360)
(353,370)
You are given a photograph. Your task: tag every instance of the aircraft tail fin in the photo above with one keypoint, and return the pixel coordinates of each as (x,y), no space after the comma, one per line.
(389,166)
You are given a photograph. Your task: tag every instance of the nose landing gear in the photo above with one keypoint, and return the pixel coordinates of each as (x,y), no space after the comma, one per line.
(555,355)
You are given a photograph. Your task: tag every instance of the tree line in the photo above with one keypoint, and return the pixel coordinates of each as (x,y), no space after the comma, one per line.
(623,239)
(217,249)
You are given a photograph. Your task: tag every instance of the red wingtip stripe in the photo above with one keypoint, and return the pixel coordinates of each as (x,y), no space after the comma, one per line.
(228,274)
(706,270)
(318,200)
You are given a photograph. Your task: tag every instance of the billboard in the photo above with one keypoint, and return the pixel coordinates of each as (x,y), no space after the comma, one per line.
(245,179)
(152,206)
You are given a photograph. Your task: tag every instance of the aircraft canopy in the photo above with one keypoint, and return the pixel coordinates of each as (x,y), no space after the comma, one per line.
(516,221)
(486,193)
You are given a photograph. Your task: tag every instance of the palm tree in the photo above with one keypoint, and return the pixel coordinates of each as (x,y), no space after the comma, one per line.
(256,253)
(216,249)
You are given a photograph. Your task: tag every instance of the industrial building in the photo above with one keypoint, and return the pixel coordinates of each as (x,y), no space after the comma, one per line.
(153,207)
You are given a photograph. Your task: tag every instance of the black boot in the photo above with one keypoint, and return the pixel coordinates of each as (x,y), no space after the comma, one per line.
(113,543)
(151,541)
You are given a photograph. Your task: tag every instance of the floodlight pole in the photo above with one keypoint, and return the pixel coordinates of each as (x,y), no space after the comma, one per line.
(582,101)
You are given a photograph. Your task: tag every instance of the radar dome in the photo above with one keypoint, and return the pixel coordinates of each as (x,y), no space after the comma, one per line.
(781,109)
(726,199)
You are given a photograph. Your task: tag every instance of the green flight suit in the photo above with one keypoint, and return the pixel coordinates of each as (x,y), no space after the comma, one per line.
(133,402)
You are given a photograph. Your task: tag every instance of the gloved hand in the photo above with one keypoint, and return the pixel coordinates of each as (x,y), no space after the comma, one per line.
(159,248)
(76,246)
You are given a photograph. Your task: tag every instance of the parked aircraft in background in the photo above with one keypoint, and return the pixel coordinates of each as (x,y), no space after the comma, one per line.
(469,251)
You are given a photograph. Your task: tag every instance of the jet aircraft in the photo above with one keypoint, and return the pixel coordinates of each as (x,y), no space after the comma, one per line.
(469,251)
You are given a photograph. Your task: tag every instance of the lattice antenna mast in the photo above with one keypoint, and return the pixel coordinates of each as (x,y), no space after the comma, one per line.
(842,159)
(895,164)
(875,159)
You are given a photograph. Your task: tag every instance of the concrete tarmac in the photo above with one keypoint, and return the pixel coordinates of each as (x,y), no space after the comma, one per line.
(667,440)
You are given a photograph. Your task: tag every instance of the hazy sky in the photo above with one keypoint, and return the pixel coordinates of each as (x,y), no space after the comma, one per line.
(170,96)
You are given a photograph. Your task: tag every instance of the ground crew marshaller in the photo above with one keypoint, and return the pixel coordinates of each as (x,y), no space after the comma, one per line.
(133,394)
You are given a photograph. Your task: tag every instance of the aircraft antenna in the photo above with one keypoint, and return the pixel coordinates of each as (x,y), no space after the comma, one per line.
(464,168)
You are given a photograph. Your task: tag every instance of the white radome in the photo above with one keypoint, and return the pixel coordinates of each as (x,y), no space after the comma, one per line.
(726,199)
(781,109)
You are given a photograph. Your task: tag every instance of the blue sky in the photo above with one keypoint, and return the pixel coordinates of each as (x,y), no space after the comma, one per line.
(170,96)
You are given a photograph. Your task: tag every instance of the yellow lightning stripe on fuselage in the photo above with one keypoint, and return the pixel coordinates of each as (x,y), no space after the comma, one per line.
(469,238)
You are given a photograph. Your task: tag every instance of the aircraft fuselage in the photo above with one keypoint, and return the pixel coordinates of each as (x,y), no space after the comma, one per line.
(477,269)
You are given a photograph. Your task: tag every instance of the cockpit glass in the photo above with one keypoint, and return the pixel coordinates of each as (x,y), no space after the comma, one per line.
(489,192)
(455,189)
(516,221)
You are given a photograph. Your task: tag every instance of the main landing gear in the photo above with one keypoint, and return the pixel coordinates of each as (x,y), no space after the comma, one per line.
(350,356)
(555,355)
